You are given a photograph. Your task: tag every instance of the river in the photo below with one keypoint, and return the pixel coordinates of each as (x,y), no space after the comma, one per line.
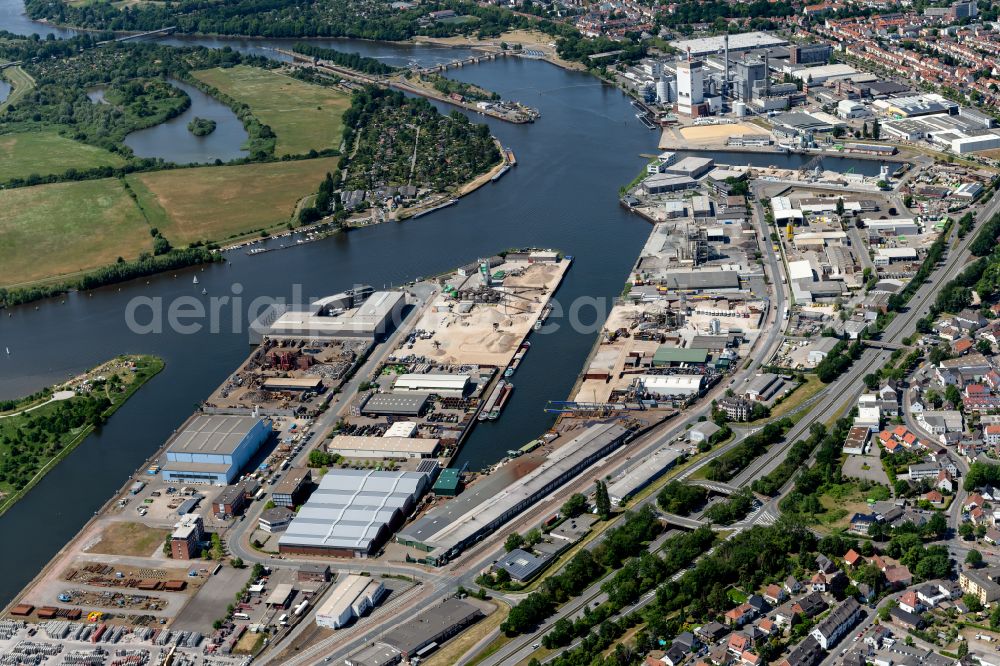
(563,194)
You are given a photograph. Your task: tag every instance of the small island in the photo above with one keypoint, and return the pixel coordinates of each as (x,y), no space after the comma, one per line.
(201,126)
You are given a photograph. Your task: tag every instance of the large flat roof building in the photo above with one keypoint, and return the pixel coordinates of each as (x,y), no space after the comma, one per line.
(353,512)
(359,446)
(213,449)
(438,383)
(446,530)
(396,404)
(746,41)
(434,626)
(377,316)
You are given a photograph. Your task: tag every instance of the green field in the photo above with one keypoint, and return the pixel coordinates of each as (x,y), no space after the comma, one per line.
(20,81)
(220,203)
(303,116)
(65,228)
(44,153)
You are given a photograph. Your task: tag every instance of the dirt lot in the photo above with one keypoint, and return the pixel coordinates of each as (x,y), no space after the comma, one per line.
(489,334)
(706,135)
(129,539)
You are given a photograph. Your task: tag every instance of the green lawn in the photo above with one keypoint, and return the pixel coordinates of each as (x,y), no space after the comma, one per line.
(62,229)
(303,116)
(44,153)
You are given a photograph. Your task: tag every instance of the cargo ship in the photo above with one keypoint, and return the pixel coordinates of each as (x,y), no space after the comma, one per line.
(494,404)
(499,174)
(516,361)
(511,160)
(546,311)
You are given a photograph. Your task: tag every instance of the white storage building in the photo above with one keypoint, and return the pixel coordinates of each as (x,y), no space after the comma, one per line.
(433,382)
(667,385)
(352,597)
(353,512)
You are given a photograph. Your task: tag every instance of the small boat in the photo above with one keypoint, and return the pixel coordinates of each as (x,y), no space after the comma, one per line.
(195,279)
(204,291)
(8,350)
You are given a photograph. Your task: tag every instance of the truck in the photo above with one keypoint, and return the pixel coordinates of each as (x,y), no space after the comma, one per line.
(137,487)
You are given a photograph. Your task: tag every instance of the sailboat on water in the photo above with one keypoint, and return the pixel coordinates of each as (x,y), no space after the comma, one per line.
(195,279)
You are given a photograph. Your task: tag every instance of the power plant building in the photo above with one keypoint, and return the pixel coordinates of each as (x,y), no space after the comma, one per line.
(690,86)
(213,449)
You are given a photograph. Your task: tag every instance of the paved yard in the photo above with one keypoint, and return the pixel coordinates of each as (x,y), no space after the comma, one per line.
(866,467)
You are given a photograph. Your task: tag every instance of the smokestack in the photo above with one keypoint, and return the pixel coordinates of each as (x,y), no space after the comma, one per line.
(725,83)
(767,74)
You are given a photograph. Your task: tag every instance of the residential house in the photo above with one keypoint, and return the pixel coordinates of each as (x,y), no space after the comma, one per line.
(853,558)
(833,627)
(934,497)
(905,619)
(981,583)
(792,586)
(806,653)
(740,615)
(739,642)
(774,594)
(910,602)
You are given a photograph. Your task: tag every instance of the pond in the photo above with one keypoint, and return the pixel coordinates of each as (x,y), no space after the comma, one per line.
(173,142)
(4,90)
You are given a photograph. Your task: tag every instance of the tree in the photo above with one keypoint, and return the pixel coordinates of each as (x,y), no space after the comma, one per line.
(574,506)
(237,563)
(984,347)
(967,531)
(953,395)
(602,501)
(972,603)
(871,381)
(840,206)
(963,648)
(514,541)
(975,558)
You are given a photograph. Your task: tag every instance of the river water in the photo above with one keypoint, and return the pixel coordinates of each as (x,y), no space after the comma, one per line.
(563,194)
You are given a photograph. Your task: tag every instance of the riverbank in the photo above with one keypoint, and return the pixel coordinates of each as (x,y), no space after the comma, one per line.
(133,371)
(532,42)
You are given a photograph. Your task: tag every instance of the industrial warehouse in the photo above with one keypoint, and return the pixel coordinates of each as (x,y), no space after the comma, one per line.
(445,531)
(353,597)
(353,512)
(347,315)
(213,449)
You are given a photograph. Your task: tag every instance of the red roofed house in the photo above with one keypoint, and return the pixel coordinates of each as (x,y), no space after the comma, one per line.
(934,497)
(739,643)
(774,594)
(739,616)
(852,557)
(749,658)
(909,602)
(962,345)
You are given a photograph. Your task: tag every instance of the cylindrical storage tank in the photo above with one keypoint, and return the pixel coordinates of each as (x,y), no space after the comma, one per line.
(662,91)
(740,109)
